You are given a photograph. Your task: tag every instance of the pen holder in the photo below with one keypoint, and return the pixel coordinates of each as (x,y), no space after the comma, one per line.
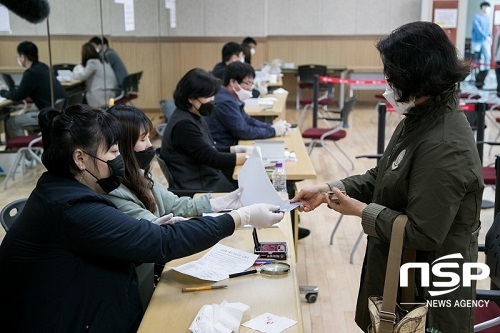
(274,250)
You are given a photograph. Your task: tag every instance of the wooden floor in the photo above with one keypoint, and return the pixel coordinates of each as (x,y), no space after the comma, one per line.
(319,263)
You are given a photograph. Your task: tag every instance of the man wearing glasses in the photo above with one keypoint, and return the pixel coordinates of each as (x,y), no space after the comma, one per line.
(229,122)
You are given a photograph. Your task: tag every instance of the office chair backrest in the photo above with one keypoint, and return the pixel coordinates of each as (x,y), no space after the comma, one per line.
(9,81)
(74,98)
(306,73)
(163,167)
(10,212)
(492,250)
(168,107)
(60,104)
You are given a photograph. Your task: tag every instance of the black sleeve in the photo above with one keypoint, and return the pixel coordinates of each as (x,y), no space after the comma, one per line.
(188,138)
(94,228)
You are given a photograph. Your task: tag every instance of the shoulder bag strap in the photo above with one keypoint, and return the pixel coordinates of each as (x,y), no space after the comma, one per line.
(388,311)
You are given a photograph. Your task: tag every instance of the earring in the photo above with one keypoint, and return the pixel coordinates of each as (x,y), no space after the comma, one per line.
(81,177)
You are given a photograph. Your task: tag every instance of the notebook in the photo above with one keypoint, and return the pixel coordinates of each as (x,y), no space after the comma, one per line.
(270,150)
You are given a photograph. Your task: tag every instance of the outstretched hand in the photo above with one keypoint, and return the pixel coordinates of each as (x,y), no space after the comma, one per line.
(346,205)
(310,198)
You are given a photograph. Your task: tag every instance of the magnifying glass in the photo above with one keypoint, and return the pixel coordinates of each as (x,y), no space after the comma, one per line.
(274,268)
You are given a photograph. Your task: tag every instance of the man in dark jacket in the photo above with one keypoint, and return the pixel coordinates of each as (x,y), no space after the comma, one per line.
(35,84)
(229,122)
(231,52)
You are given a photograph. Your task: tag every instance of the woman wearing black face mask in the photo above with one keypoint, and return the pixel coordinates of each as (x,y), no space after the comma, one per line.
(68,262)
(188,147)
(140,196)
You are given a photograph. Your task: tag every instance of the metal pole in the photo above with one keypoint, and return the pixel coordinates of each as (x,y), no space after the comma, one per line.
(382,110)
(480,109)
(50,66)
(315,100)
(497,186)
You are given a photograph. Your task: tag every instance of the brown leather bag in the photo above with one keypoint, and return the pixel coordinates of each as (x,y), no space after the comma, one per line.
(386,315)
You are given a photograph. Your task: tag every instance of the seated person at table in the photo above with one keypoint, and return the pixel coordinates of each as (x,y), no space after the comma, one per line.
(249,44)
(229,122)
(112,57)
(100,80)
(35,84)
(139,195)
(231,52)
(187,146)
(68,261)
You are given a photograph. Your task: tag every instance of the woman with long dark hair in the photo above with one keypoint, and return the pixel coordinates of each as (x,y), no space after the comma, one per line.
(100,80)
(140,195)
(68,262)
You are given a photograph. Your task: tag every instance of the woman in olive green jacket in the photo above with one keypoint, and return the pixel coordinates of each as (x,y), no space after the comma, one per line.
(430,172)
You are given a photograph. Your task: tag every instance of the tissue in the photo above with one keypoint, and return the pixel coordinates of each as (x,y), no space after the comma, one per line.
(220,318)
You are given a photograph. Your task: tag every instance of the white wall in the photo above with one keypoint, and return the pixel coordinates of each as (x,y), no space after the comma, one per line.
(213,18)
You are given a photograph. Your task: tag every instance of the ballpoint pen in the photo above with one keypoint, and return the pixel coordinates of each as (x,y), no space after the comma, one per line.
(252,271)
(188,289)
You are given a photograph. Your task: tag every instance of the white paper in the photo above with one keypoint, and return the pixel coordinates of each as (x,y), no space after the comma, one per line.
(269,323)
(220,318)
(218,263)
(271,150)
(446,17)
(4,19)
(496,20)
(170,4)
(128,14)
(253,179)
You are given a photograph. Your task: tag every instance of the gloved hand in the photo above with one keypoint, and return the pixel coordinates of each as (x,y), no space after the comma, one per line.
(259,215)
(169,219)
(228,201)
(280,127)
(243,149)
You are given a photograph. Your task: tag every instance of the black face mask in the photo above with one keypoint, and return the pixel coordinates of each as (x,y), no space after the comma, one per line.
(206,108)
(144,157)
(117,174)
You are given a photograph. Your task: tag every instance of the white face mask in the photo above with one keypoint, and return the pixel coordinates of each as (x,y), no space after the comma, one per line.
(399,107)
(252,51)
(243,94)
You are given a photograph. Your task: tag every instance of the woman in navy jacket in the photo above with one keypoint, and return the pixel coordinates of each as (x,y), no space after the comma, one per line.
(67,263)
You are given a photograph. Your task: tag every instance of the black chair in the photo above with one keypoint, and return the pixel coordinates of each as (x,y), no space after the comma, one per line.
(168,107)
(9,81)
(130,88)
(168,175)
(492,252)
(10,212)
(305,81)
(74,98)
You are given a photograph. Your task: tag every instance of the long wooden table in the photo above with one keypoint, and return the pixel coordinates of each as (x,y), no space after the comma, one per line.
(170,310)
(297,170)
(267,113)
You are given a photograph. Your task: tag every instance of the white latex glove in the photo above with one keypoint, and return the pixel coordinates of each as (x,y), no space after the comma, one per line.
(280,128)
(169,219)
(229,201)
(259,215)
(243,149)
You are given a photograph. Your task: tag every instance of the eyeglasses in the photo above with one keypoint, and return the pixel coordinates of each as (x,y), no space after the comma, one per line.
(247,83)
